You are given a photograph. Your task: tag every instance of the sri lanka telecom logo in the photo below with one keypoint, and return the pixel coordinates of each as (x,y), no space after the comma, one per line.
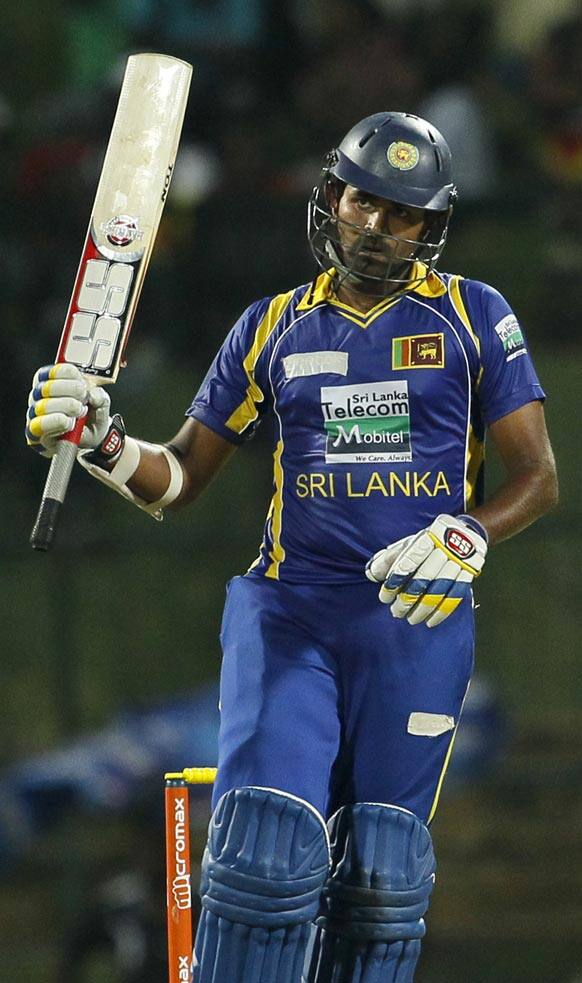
(367,423)
(509,333)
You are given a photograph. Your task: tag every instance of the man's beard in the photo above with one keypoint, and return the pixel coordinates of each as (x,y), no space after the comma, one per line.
(376,273)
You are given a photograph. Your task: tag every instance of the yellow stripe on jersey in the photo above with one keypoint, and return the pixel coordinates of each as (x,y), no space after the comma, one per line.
(475,458)
(248,411)
(317,292)
(459,305)
(430,286)
(323,291)
(350,314)
(277,553)
(475,448)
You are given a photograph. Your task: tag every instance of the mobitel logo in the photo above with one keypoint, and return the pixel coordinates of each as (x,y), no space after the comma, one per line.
(181,883)
(510,336)
(367,423)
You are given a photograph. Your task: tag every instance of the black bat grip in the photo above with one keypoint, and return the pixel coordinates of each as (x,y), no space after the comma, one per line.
(53,496)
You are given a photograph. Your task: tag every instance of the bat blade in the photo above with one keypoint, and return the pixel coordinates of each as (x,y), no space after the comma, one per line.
(132,191)
(130,197)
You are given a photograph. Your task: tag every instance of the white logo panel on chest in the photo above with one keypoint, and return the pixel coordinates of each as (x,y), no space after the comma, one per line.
(367,423)
(301,364)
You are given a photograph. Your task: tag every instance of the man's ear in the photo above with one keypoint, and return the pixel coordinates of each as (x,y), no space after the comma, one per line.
(333,193)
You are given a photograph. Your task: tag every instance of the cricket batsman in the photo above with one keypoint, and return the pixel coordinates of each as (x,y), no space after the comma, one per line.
(348,644)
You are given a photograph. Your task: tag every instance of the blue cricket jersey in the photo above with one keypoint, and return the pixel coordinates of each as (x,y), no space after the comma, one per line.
(379,418)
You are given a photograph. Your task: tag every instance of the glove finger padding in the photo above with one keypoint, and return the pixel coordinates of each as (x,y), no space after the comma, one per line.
(43,432)
(443,595)
(74,388)
(98,418)
(60,370)
(60,395)
(460,590)
(56,400)
(433,572)
(417,587)
(62,405)
(405,566)
(378,565)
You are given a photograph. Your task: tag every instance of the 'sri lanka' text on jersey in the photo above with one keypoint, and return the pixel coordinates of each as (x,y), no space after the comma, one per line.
(380,417)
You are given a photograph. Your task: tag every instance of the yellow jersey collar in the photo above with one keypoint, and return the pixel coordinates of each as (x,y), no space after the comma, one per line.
(322,290)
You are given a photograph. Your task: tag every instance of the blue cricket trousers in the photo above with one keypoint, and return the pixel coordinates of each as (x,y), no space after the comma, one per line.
(325,695)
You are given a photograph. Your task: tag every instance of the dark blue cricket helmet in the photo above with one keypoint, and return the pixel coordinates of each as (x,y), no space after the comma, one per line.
(396,156)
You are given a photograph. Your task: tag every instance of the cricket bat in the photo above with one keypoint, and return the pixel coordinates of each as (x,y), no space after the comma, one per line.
(131,194)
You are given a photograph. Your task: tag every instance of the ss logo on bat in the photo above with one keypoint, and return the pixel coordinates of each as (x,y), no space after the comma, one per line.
(96,325)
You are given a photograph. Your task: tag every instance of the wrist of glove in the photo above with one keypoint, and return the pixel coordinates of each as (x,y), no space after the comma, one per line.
(60,394)
(426,576)
(108,452)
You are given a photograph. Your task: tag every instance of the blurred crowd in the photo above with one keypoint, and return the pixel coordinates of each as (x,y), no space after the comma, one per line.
(276,85)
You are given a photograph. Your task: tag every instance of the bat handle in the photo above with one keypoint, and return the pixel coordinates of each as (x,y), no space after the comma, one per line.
(55,488)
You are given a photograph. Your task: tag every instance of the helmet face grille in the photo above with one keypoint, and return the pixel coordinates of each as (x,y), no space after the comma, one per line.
(392,266)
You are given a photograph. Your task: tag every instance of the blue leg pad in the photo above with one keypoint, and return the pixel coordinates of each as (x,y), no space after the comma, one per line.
(265,865)
(371,923)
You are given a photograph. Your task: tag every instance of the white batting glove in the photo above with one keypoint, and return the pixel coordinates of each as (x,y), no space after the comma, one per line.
(425,577)
(59,396)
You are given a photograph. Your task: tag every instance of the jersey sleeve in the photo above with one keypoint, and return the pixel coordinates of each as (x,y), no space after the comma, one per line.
(507,378)
(236,393)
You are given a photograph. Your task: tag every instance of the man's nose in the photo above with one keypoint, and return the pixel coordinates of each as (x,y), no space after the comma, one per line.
(377,221)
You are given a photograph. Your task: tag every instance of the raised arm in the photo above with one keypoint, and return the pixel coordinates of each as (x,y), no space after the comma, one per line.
(152,476)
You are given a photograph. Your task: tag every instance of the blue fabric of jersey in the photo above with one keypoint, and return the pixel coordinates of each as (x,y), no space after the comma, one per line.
(379,418)
(318,683)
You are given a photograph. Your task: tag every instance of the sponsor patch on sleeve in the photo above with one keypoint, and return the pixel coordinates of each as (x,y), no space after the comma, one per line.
(509,333)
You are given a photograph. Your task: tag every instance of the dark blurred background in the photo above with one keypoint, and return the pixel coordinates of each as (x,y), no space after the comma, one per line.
(110,651)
